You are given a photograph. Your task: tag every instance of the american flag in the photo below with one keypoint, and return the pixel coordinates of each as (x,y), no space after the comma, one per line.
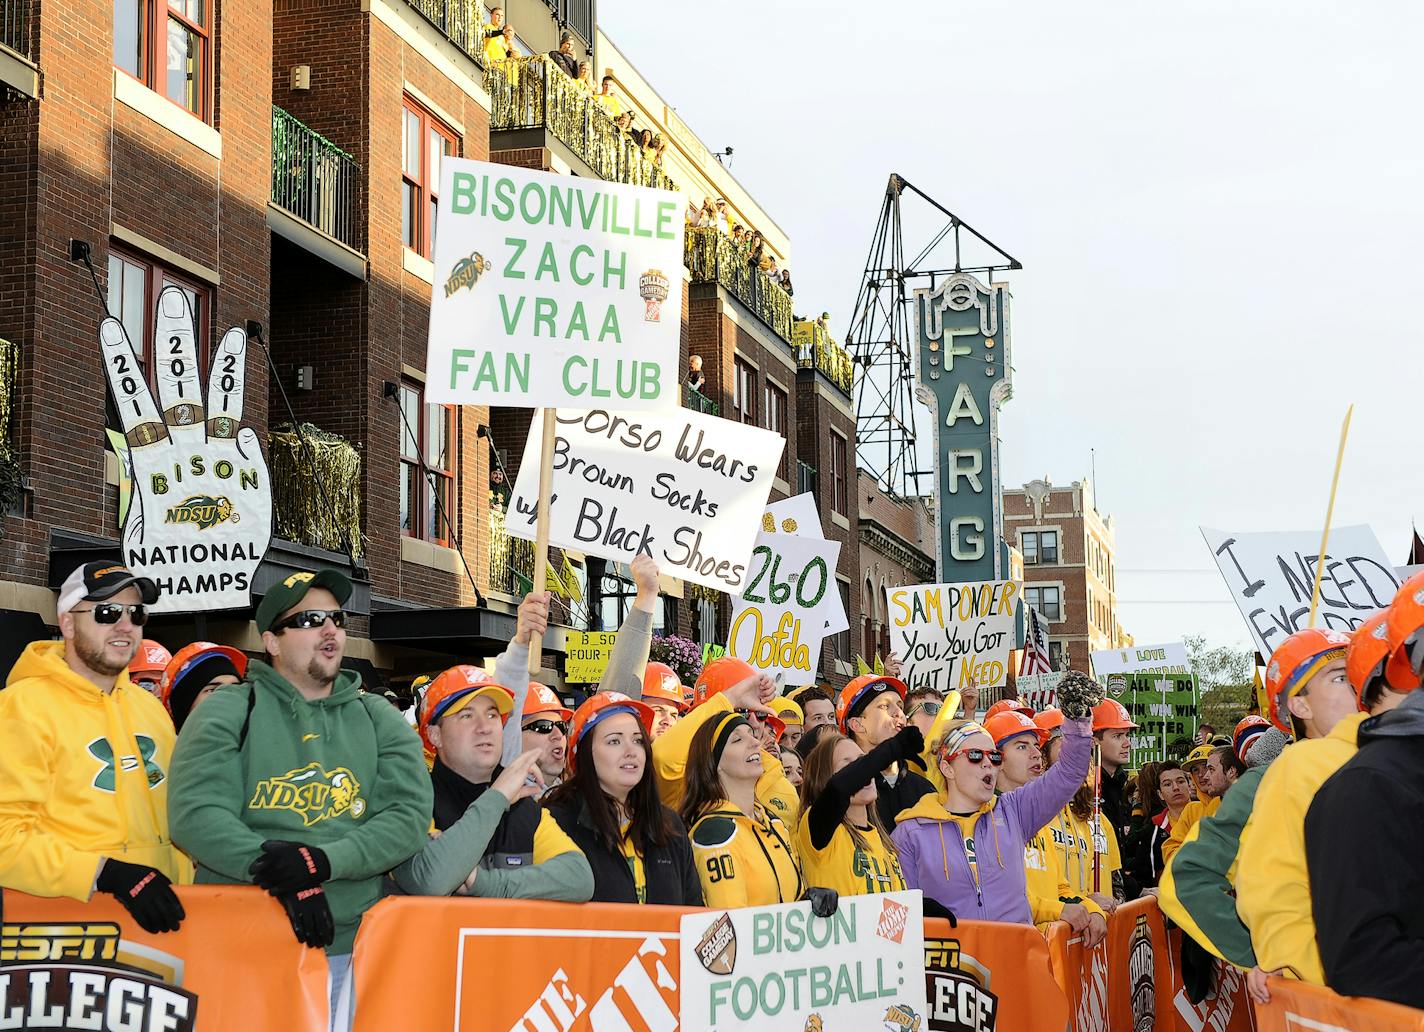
(1035,659)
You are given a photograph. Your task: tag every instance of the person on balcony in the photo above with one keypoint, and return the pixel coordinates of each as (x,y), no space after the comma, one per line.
(564,56)
(610,100)
(695,380)
(723,219)
(584,78)
(494,36)
(786,282)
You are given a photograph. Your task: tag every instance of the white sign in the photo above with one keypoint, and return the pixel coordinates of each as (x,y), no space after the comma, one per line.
(554,290)
(1170,658)
(1271,576)
(685,488)
(1039,690)
(777,623)
(200,516)
(949,636)
(799,515)
(769,969)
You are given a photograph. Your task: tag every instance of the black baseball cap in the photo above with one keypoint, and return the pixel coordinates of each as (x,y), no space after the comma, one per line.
(290,591)
(100,580)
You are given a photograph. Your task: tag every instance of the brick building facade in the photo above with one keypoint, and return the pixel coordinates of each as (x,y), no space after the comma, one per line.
(897,542)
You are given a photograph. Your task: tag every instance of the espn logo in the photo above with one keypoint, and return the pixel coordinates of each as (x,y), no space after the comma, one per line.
(36,943)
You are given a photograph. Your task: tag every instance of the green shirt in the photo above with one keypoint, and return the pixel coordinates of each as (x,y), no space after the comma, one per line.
(344,773)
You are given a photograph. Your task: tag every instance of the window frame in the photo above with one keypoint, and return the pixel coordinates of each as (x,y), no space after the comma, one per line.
(744,390)
(775,405)
(154,16)
(1045,557)
(840,473)
(156,277)
(841,642)
(1030,556)
(424,191)
(422,510)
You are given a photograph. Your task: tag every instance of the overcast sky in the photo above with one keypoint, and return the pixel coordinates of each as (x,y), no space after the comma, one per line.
(1219,208)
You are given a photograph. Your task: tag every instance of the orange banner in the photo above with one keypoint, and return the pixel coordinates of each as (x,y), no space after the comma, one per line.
(233,964)
(1300,1007)
(548,967)
(1226,1009)
(1125,982)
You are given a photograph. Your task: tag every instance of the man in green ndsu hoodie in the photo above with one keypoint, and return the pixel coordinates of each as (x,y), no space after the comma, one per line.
(300,783)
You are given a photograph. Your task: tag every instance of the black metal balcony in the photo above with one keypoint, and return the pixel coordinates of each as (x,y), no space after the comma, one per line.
(699,402)
(313,179)
(15,26)
(462,22)
(815,349)
(713,257)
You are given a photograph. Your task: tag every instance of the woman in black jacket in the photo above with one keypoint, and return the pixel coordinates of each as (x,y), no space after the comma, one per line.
(609,806)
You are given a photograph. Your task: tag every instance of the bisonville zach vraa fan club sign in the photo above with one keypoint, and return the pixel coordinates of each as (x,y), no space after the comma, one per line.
(554,290)
(199,516)
(769,969)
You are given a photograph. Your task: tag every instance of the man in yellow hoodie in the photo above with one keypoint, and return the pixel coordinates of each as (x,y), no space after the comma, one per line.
(1309,691)
(84,775)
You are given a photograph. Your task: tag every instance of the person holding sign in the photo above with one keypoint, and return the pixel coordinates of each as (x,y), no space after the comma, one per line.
(965,849)
(871,712)
(663,692)
(609,806)
(842,842)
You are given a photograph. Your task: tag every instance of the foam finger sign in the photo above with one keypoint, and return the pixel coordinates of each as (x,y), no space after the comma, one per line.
(200,517)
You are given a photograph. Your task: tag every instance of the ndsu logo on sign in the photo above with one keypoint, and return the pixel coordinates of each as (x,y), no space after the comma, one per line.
(957,987)
(313,792)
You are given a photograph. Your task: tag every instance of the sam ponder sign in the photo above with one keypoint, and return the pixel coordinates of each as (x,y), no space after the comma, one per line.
(767,969)
(950,636)
(553,290)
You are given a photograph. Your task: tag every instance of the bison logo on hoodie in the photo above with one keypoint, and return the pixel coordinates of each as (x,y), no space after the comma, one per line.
(312,792)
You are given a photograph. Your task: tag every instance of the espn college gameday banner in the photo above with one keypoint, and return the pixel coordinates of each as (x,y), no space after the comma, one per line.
(234,964)
(1124,984)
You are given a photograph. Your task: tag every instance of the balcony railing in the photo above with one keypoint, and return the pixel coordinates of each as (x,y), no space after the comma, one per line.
(531,93)
(511,569)
(699,402)
(300,512)
(462,22)
(15,26)
(313,178)
(713,257)
(815,349)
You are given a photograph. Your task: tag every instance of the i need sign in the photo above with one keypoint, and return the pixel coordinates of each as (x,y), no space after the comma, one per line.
(554,290)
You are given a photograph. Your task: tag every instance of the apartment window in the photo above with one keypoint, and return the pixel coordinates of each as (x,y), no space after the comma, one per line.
(425,143)
(842,640)
(1039,546)
(840,481)
(774,419)
(1056,651)
(744,392)
(426,430)
(167,46)
(1048,601)
(134,286)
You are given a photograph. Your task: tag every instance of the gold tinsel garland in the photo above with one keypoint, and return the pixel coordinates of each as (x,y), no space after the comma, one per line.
(713,257)
(816,349)
(10,477)
(300,514)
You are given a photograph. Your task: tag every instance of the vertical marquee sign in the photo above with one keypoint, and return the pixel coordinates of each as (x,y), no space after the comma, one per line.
(964,376)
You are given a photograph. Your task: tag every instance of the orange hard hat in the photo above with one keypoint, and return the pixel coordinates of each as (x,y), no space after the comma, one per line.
(856,695)
(455,688)
(1405,633)
(661,684)
(1247,728)
(717,676)
(151,658)
(1369,648)
(542,701)
(187,659)
(1111,715)
(605,704)
(1008,706)
(1295,661)
(1050,720)
(1009,723)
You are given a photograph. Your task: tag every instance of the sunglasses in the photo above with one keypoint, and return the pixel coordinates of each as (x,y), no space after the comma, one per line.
(309,618)
(750,714)
(977,756)
(110,612)
(930,707)
(546,727)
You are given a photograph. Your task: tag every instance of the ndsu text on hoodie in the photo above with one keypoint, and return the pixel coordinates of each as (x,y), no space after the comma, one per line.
(344,773)
(83,776)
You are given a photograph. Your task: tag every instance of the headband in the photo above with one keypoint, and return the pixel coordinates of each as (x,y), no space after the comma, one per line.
(726,727)
(954,739)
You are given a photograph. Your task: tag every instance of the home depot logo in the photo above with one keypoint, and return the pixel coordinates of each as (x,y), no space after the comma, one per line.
(642,993)
(893,918)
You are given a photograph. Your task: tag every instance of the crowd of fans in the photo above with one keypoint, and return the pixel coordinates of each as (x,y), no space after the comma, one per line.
(128,771)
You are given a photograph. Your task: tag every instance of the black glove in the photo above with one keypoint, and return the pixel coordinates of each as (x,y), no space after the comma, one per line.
(288,867)
(145,893)
(911,744)
(1078,694)
(824,902)
(311,918)
(934,908)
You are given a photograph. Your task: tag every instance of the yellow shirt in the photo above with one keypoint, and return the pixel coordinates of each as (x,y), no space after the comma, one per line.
(495,50)
(1044,880)
(635,864)
(610,103)
(1272,882)
(966,830)
(847,868)
(1191,813)
(745,861)
(1070,838)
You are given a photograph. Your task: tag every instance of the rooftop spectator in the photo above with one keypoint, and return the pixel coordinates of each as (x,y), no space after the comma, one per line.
(786,282)
(584,77)
(722,217)
(495,49)
(564,56)
(610,100)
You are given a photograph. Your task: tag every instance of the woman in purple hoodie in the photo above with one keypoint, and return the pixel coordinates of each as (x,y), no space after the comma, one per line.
(964,848)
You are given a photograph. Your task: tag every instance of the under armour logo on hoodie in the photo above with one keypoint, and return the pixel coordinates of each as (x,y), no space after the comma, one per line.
(103,751)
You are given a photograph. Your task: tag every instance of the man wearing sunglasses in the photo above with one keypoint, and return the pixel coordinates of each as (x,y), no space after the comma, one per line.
(922,705)
(298,781)
(546,728)
(84,758)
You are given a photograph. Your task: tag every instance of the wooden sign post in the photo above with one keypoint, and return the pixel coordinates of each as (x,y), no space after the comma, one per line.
(541,536)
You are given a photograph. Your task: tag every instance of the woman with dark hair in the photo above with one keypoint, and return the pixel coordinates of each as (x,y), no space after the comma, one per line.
(745,855)
(608,804)
(841,839)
